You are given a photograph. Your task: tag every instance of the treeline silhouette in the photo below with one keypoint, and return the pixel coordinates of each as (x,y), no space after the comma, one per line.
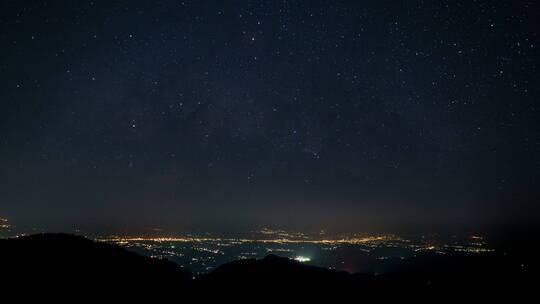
(60,262)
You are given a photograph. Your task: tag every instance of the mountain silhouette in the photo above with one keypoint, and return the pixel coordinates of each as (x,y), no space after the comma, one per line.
(55,262)
(50,261)
(279,271)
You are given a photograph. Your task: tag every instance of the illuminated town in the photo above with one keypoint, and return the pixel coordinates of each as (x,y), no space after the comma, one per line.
(5,227)
(353,253)
(359,252)
(4,223)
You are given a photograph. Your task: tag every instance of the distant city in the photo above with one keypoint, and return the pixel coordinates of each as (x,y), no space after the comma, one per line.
(375,254)
(4,224)
(357,252)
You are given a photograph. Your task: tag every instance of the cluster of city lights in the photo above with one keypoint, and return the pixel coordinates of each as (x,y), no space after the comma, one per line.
(4,223)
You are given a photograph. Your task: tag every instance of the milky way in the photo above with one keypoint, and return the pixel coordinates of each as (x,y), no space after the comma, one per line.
(351,115)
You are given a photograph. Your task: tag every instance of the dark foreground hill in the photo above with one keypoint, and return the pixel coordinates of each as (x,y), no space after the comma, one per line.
(60,262)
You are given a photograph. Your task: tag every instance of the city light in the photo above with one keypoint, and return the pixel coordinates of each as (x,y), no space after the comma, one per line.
(203,253)
(302,259)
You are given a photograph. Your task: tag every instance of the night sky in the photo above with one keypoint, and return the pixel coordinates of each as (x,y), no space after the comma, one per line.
(228,115)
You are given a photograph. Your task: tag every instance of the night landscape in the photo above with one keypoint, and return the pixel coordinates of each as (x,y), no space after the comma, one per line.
(269,150)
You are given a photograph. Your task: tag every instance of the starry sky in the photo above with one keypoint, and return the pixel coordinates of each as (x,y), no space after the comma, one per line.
(223,115)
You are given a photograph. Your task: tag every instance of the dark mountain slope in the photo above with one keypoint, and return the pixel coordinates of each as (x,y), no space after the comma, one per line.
(278,271)
(58,260)
(58,263)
